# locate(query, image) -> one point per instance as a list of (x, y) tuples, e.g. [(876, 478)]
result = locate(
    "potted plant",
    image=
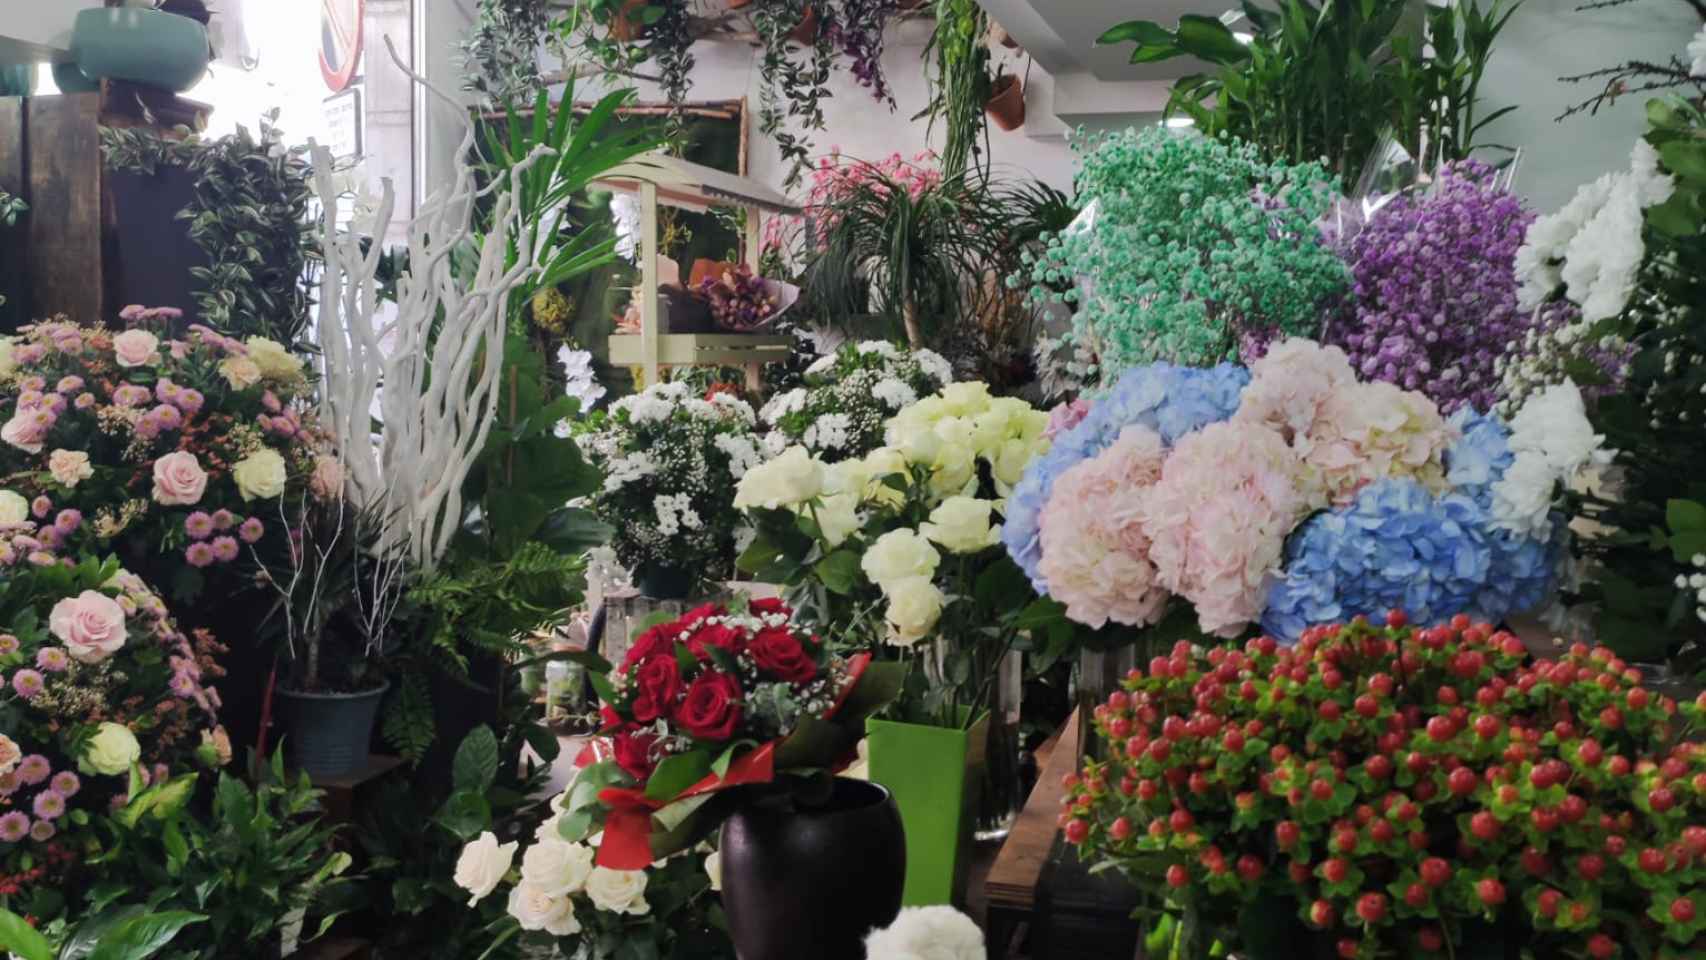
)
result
[(1006, 104), (1384, 788), (152, 47)]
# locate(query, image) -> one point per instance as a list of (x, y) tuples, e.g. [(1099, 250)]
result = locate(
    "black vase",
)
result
[(804, 881)]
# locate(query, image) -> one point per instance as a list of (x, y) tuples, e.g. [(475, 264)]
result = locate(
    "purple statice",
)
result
[(1433, 304)]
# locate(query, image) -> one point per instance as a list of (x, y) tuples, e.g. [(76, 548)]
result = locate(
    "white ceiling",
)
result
[(1061, 34)]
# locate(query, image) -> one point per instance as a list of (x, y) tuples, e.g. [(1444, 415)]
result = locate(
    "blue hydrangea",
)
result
[(1400, 547), (1480, 456), (1171, 400)]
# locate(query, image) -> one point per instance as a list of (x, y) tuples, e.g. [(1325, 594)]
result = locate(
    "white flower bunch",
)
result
[(1694, 582), (839, 413), (1553, 443), (927, 933)]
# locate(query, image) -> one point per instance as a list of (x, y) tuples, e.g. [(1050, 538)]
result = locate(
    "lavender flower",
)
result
[(14, 826)]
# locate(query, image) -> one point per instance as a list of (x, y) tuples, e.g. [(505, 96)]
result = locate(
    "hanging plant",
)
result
[(859, 36), (801, 86), (960, 84)]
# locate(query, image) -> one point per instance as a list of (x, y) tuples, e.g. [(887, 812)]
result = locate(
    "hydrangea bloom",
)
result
[(1172, 401), (1095, 554), (1479, 456), (1434, 292), (1218, 519), (1371, 431)]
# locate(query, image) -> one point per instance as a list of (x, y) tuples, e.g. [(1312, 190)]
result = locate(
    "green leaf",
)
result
[(1140, 32), (1208, 39), (141, 937), (466, 814), (476, 764), (839, 571), (677, 773), (1685, 158), (22, 939)]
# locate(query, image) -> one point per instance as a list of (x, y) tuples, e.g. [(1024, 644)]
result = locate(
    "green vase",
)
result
[(143, 46), (933, 773)]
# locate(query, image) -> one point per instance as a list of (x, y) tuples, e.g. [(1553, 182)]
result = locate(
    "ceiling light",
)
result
[(1178, 122), (1243, 38)]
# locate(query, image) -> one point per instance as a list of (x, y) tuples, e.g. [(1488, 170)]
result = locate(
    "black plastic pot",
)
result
[(813, 881), (330, 732), (666, 583)]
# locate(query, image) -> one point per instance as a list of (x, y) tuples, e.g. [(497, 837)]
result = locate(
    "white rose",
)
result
[(954, 470), (8, 364), (260, 475), (714, 869), (897, 555), (240, 372), (136, 348), (915, 604), (556, 867), (482, 865), (880, 464), (918, 442), (837, 517), (273, 360), (792, 478), (535, 909), (13, 507), (962, 525), (69, 467), (110, 752), (618, 891), (965, 399)]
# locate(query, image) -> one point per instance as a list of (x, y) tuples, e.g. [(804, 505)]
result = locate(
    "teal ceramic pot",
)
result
[(143, 46), (69, 79), (18, 81)]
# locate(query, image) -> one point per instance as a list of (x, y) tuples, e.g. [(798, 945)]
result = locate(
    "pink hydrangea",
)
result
[(1290, 386), (1218, 520), (1065, 416), (1095, 551), (1373, 431)]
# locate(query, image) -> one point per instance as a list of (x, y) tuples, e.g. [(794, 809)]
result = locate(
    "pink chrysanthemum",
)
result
[(48, 805), (53, 659), (251, 530), (225, 549), (14, 826), (27, 683), (198, 525), (66, 784), (34, 769), (199, 554)]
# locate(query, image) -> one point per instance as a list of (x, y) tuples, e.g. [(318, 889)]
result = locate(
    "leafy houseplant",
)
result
[(960, 81), (1323, 81), (1388, 790), (794, 91), (250, 217)]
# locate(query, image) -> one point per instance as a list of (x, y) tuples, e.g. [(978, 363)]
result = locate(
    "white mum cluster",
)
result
[(1695, 582), (849, 394), (1552, 442)]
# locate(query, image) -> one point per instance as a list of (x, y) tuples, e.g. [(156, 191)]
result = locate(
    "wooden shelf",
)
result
[(703, 349)]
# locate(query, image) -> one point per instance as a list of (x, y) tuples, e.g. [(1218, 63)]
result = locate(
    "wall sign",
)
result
[(342, 113), (340, 41)]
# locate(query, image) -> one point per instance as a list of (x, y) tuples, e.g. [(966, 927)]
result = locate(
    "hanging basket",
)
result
[(1006, 105)]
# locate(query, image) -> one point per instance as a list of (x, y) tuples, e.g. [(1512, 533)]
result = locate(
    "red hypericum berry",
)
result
[(1347, 948), (1181, 820), (1435, 871), (1321, 914), (1573, 809), (1418, 763), (1250, 867), (1332, 679), (1379, 766), (1545, 819), (1335, 870), (1120, 829), (1371, 907), (1298, 871), (1321, 790), (1366, 706), (1490, 891), (1382, 832), (1548, 903), (1199, 783), (1160, 750), (1429, 939), (1535, 862), (1484, 825), (1618, 766), (1178, 876), (1329, 710), (1682, 910), (1462, 782), (1345, 841), (1661, 799), (1611, 718), (1615, 845), (1286, 834), (1653, 860), (1487, 726), (1509, 794), (1077, 831), (1601, 947), (1416, 895), (1694, 838), (1638, 698), (1440, 729)]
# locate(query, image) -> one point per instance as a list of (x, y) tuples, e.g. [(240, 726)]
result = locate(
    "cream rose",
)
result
[(967, 398), (91, 625), (618, 891), (837, 517), (954, 471), (482, 865), (535, 909), (962, 525), (27, 429), (8, 363), (915, 604), (273, 360), (327, 480), (260, 475), (13, 507), (792, 478), (240, 372), (917, 442), (69, 467), (179, 479), (110, 752), (557, 867), (897, 555), (136, 348), (10, 754)]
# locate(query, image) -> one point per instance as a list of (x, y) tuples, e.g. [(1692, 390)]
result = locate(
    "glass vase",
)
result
[(996, 793)]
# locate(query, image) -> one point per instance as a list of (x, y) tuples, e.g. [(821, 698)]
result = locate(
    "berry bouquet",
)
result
[(1393, 791), (725, 696)]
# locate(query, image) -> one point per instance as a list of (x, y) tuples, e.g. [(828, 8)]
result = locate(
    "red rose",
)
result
[(691, 618), (778, 652), (612, 719), (767, 606), (712, 708), (658, 683), (649, 645), (715, 635), (634, 753)]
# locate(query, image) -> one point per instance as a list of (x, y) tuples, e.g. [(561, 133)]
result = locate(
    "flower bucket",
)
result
[(811, 881), (149, 47), (1006, 104), (933, 773), (329, 732), (665, 583)]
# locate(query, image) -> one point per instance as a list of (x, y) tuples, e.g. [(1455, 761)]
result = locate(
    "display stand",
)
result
[(659, 179)]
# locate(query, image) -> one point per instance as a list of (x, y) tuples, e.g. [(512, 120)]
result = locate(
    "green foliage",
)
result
[(960, 83), (793, 90), (1324, 81), (1196, 245), (250, 216), (500, 55)]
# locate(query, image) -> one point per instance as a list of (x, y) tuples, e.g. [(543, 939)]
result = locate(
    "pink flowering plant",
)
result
[(196, 451), (101, 697)]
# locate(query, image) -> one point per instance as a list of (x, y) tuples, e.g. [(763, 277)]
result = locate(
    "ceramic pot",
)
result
[(18, 80), (329, 732), (143, 46), (812, 881), (69, 79), (665, 583), (1006, 105), (623, 26), (805, 32)]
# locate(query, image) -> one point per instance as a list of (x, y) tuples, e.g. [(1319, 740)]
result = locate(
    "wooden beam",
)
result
[(1012, 881), (64, 226), (649, 312)]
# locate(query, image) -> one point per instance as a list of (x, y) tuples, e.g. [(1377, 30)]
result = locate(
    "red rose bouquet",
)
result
[(725, 696), (1383, 792)]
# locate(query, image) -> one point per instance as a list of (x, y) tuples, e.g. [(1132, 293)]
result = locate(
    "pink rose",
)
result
[(327, 481), (28, 428), (136, 348), (91, 625), (178, 479)]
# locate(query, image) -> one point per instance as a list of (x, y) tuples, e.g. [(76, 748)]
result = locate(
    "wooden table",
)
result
[(1011, 887)]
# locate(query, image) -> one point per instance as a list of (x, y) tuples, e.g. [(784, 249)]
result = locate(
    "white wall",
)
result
[(32, 31), (1547, 39)]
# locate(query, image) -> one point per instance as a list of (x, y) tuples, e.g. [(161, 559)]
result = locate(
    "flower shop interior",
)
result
[(844, 479)]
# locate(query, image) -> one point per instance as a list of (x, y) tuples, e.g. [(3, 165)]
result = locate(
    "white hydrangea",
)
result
[(730, 405), (742, 452), (893, 393), (628, 468), (934, 365)]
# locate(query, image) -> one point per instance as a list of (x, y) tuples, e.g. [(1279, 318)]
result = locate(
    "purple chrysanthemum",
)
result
[(14, 826), (48, 805), (66, 784)]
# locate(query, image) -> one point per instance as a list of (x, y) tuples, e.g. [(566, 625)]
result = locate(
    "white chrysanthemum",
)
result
[(927, 933), (1697, 54), (934, 366), (1554, 424), (1522, 499), (742, 452), (881, 348), (628, 468), (830, 432), (783, 404), (893, 393)]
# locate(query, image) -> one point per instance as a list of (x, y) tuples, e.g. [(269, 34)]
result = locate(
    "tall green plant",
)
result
[(1326, 81), (960, 83)]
